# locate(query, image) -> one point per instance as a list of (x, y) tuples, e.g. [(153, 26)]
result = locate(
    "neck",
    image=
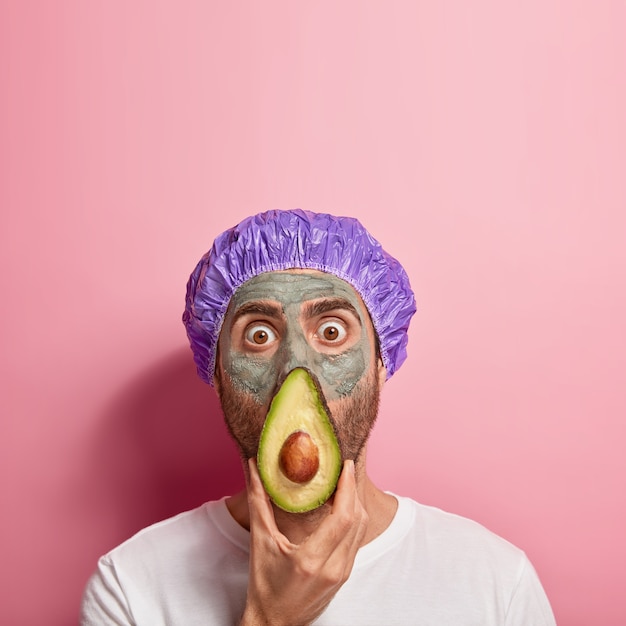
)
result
[(380, 507)]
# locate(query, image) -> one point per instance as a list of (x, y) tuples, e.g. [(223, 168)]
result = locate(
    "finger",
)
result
[(348, 504), (339, 537), (263, 527), (344, 519), (357, 506), (345, 494), (261, 513)]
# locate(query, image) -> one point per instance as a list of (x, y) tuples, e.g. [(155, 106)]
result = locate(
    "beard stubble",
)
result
[(353, 416)]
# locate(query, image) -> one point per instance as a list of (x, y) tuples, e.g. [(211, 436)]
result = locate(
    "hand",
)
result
[(291, 584)]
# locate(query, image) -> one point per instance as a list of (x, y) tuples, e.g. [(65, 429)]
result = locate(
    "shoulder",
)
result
[(451, 567), (438, 523), (174, 538), (164, 566), (460, 540), (182, 527)]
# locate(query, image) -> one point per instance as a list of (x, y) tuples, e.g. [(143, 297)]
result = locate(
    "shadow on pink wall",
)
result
[(163, 447)]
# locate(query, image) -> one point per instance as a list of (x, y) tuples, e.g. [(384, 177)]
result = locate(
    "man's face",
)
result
[(278, 321)]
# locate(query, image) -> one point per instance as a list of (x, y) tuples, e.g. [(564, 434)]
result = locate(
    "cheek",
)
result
[(254, 377), (340, 374)]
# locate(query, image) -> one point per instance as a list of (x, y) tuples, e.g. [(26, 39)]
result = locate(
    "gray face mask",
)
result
[(277, 321)]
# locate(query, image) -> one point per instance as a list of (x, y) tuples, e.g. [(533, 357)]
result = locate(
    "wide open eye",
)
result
[(331, 332), (260, 334)]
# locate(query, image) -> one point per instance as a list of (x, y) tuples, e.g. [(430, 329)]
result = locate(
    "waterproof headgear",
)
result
[(281, 240)]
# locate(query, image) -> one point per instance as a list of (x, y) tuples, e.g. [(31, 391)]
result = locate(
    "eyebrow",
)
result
[(331, 304), (258, 308)]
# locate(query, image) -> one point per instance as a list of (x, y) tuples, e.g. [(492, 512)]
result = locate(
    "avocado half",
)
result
[(299, 458)]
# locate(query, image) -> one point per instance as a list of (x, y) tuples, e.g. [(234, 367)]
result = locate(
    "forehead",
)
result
[(293, 287)]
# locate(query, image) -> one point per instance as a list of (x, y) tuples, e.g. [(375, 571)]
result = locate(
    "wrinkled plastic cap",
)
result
[(281, 240)]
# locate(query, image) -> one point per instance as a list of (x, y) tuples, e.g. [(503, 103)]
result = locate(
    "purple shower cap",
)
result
[(281, 240)]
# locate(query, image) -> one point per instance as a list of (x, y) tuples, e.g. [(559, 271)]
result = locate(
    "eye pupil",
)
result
[(260, 336), (330, 332)]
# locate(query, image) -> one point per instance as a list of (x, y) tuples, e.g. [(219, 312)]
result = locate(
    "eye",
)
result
[(260, 334), (331, 332)]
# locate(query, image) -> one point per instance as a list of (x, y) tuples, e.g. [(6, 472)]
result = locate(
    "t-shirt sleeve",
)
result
[(104, 601), (529, 604)]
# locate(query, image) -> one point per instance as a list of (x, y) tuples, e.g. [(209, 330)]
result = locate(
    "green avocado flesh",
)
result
[(299, 471)]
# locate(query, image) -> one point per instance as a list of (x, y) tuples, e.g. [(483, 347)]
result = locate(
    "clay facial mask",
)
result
[(279, 321)]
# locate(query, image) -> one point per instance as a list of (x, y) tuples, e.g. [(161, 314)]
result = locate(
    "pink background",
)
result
[(482, 142)]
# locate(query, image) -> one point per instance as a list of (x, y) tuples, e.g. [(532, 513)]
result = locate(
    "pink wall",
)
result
[(484, 144)]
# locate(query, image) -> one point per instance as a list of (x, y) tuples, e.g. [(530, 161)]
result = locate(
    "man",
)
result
[(285, 290)]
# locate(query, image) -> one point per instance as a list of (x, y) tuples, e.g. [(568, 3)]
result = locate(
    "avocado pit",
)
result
[(299, 457)]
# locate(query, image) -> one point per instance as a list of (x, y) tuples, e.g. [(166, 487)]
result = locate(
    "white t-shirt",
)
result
[(428, 568)]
